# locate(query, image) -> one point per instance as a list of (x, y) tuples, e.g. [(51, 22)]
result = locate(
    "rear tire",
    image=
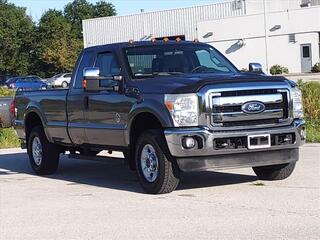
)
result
[(276, 172), (43, 155), (157, 175)]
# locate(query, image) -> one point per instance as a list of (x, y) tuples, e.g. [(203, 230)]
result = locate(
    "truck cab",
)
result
[(170, 107)]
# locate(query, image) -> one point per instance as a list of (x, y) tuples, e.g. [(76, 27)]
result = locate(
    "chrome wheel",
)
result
[(37, 151), (64, 84), (149, 163)]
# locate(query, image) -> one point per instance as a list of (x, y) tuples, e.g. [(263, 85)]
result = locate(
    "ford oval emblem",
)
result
[(253, 107)]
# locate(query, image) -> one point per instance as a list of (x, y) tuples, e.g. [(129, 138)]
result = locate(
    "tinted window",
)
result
[(11, 80), (57, 76), (306, 51), (35, 79), (208, 60), (67, 76), (176, 59), (25, 80), (85, 61), (108, 66)]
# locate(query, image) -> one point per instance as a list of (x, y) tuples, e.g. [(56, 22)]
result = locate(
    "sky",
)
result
[(36, 8)]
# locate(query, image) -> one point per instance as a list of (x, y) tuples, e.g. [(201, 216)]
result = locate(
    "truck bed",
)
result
[(52, 106)]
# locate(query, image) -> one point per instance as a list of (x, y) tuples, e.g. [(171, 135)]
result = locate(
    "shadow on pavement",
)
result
[(113, 175)]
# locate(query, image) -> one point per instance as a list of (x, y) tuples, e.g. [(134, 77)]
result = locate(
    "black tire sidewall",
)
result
[(50, 153), (150, 187), (34, 134)]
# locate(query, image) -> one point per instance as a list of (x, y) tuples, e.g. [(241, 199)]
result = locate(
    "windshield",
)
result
[(149, 61), (57, 76)]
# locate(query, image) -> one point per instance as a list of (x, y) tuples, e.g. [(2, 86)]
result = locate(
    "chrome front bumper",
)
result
[(208, 157)]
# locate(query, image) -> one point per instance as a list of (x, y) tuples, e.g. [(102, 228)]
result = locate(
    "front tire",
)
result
[(276, 172), (65, 84), (157, 175), (43, 155)]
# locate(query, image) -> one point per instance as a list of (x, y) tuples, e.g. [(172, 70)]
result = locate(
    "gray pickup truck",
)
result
[(6, 112), (170, 107)]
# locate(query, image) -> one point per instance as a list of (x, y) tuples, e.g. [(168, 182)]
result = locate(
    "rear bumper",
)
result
[(207, 156)]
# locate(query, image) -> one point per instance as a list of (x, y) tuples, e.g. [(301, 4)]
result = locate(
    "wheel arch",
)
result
[(33, 118), (143, 119)]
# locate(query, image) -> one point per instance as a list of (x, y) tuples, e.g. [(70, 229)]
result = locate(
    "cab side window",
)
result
[(108, 65), (85, 61)]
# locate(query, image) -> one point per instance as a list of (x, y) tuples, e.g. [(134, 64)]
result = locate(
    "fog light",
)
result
[(188, 142)]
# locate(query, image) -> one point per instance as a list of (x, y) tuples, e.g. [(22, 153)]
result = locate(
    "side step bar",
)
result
[(105, 159)]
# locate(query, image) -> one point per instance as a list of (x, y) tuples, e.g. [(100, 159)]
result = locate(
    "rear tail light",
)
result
[(12, 109)]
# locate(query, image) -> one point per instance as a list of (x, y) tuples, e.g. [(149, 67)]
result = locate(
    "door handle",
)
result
[(86, 102)]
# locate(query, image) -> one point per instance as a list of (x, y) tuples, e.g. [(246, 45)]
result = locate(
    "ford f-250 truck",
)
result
[(170, 107)]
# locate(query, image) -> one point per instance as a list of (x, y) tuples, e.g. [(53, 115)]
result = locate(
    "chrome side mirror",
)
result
[(92, 80), (255, 68), (91, 73)]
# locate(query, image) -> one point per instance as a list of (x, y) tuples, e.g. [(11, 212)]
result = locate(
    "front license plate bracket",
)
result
[(259, 141)]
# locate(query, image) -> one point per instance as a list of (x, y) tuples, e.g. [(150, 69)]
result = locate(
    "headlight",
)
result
[(183, 108), (297, 103)]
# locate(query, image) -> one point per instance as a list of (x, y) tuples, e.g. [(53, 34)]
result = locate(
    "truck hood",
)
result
[(190, 83)]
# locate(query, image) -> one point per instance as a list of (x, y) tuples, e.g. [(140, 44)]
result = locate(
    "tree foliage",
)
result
[(79, 10), (49, 47), (56, 49), (16, 39)]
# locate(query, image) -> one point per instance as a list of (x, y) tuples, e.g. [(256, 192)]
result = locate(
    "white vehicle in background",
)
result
[(60, 80)]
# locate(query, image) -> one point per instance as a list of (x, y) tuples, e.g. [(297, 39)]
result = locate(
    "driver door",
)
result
[(105, 109)]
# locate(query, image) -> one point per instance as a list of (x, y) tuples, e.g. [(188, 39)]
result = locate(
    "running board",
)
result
[(96, 158)]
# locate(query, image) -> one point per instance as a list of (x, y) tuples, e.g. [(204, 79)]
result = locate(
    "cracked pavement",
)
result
[(94, 200)]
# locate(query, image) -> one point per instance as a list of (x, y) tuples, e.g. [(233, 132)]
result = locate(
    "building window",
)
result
[(306, 51), (309, 3), (236, 5), (292, 38)]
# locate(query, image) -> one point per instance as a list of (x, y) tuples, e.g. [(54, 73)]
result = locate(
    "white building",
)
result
[(284, 32)]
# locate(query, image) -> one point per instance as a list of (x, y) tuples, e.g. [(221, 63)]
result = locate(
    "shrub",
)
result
[(311, 96), (316, 68), (5, 92), (8, 138), (277, 69)]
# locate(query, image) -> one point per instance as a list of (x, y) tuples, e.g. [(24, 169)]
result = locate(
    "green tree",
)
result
[(104, 9), (79, 10), (75, 12), (57, 49), (16, 39)]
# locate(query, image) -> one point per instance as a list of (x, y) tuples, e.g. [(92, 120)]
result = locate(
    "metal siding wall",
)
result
[(160, 24)]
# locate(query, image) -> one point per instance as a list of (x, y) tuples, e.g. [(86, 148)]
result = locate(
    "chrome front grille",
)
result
[(226, 108)]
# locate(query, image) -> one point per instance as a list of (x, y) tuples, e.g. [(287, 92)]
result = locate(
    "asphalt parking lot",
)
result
[(93, 200)]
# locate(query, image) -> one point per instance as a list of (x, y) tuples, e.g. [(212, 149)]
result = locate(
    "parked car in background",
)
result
[(6, 112), (26, 83), (4, 78), (60, 80)]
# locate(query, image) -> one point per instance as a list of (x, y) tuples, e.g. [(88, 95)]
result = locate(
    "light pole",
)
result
[(266, 32)]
